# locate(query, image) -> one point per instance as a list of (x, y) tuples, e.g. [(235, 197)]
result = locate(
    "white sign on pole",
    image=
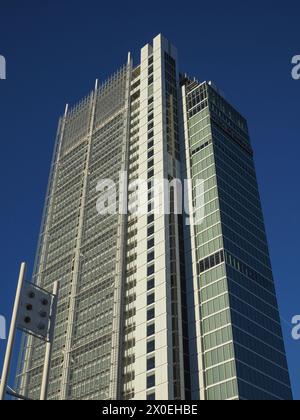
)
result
[(34, 315)]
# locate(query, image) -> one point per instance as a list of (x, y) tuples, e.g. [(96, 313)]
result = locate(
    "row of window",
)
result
[(210, 262), (201, 147), (150, 363)]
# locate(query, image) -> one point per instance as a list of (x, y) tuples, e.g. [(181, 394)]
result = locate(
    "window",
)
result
[(150, 144), (150, 70), (151, 173), (150, 61), (150, 206), (150, 284), (150, 314), (150, 270), (150, 126), (150, 90), (150, 346), (150, 80), (150, 230), (150, 218), (150, 257), (150, 100), (150, 154), (150, 135), (150, 117), (151, 396), (150, 299), (135, 85), (151, 363), (150, 330), (150, 381), (150, 163), (150, 243)]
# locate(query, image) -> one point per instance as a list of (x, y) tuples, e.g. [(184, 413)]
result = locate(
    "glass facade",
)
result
[(82, 249), (243, 349)]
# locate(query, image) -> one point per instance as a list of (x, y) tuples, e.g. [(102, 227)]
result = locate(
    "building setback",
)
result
[(152, 307)]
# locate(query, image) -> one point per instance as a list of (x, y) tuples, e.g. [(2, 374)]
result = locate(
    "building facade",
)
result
[(150, 306)]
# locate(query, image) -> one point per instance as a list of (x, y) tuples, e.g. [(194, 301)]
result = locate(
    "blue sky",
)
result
[(55, 51)]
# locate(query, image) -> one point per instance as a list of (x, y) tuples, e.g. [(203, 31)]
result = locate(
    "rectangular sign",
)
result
[(34, 314)]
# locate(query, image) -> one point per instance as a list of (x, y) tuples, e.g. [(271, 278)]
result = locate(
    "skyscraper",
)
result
[(152, 306)]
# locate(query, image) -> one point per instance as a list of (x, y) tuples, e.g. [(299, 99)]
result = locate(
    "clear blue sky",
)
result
[(56, 49)]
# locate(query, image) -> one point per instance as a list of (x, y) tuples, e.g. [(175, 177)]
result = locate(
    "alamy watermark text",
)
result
[(296, 68), (296, 329), (2, 328), (157, 196), (2, 67)]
